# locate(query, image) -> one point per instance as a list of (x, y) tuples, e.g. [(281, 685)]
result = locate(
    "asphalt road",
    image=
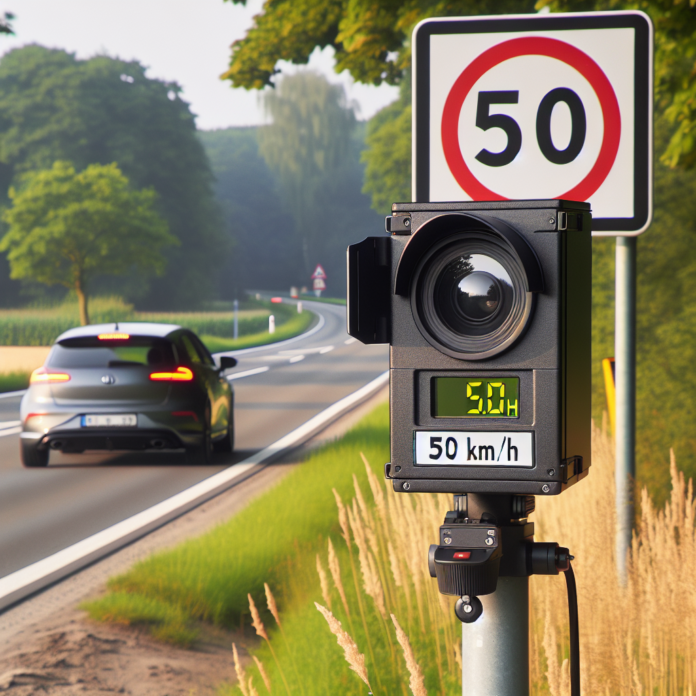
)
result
[(277, 388)]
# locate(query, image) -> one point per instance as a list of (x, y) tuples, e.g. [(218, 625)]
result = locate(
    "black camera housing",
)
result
[(530, 328)]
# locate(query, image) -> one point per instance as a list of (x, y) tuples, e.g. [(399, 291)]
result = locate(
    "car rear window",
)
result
[(92, 352)]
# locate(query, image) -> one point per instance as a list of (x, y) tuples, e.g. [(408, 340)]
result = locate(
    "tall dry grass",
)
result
[(387, 538), (638, 639), (635, 640)]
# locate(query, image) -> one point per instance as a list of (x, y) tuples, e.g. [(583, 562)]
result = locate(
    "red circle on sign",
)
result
[(532, 46)]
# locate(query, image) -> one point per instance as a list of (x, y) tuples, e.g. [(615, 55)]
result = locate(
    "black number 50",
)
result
[(486, 120)]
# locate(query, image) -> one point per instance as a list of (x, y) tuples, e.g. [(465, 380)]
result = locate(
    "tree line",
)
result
[(135, 201)]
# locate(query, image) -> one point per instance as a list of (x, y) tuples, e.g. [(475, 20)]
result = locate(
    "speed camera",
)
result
[(486, 308)]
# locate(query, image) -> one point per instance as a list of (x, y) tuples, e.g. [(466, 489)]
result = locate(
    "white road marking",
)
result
[(9, 395), (306, 351), (264, 358), (270, 346), (297, 358), (10, 431), (248, 373), (36, 576), (350, 340), (9, 424)]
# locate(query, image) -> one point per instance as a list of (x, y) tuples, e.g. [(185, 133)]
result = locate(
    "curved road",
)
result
[(277, 388)]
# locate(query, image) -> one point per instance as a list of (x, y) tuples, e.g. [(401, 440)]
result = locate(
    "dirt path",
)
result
[(49, 646)]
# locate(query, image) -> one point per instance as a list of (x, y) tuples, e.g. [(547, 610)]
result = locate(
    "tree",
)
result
[(102, 110), (371, 39), (249, 195), (387, 156), (307, 145), (68, 228)]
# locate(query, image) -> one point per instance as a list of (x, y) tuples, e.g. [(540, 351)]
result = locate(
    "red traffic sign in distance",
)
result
[(537, 107), (319, 272)]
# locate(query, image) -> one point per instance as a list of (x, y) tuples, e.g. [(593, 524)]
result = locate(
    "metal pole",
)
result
[(495, 649), (625, 375), (236, 319)]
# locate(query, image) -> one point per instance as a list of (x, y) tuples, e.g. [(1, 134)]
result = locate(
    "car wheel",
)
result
[(203, 453), (227, 442), (31, 455)]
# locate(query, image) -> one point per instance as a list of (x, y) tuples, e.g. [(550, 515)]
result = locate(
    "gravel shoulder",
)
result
[(49, 646)]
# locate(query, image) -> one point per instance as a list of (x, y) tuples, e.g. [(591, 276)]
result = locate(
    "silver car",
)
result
[(128, 386)]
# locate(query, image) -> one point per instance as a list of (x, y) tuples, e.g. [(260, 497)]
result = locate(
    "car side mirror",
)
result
[(227, 362)]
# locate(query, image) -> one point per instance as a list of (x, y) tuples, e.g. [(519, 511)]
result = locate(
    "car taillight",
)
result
[(182, 374), (113, 337), (34, 415), (185, 414), (44, 375)]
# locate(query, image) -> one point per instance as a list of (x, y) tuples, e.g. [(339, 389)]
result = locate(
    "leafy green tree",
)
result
[(69, 228), (306, 145), (371, 39), (102, 110), (249, 195), (387, 156)]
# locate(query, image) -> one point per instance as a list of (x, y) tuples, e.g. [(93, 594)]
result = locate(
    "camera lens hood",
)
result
[(472, 291)]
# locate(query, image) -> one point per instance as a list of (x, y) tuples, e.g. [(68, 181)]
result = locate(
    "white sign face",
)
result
[(319, 272), (456, 448), (537, 107)]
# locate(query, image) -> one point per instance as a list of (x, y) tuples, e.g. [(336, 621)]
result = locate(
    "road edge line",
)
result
[(306, 334), (39, 575)]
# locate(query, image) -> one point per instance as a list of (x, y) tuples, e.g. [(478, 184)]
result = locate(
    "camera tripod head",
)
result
[(475, 551)]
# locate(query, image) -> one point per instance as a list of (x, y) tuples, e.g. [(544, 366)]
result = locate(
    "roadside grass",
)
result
[(293, 326), (376, 566), (328, 300), (165, 622), (14, 381), (208, 578), (629, 644)]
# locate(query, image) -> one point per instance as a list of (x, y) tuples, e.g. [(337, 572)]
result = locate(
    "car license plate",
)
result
[(474, 449), (110, 420)]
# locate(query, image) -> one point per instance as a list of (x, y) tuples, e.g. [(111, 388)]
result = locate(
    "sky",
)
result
[(184, 41)]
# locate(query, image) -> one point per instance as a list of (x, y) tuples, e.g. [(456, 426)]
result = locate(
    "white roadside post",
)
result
[(271, 324), (532, 107)]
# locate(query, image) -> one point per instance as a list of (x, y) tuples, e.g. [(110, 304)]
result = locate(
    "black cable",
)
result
[(574, 632)]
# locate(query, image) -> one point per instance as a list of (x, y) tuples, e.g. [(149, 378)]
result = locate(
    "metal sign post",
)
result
[(536, 107), (625, 365)]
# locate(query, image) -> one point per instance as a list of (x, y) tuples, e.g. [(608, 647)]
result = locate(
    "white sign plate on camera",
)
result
[(457, 448), (537, 107)]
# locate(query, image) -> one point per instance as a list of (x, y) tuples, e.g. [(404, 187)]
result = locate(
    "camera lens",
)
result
[(478, 296), (469, 295)]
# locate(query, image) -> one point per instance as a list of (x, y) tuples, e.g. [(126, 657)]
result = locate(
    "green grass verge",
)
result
[(293, 326), (327, 300), (208, 578), (14, 381), (165, 622)]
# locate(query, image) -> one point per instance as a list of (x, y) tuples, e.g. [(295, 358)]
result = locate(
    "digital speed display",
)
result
[(475, 397)]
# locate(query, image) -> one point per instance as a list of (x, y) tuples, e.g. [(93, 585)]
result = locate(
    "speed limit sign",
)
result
[(537, 107)]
